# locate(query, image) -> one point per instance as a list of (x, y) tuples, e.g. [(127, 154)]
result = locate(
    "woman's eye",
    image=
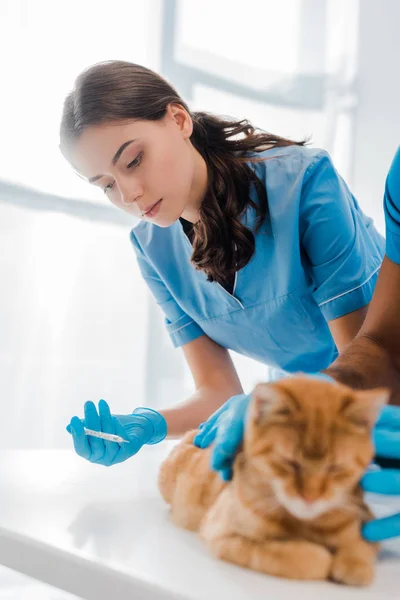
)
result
[(136, 161), (108, 187)]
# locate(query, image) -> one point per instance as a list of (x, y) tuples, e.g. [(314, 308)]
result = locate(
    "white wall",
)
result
[(377, 132)]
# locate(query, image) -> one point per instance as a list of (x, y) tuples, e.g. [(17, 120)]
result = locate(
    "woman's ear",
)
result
[(181, 118)]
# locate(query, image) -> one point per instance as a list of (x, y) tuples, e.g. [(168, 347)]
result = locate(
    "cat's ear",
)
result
[(363, 410), (267, 398)]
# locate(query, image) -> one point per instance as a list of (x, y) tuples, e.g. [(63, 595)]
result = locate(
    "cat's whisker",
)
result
[(272, 509), (269, 506), (349, 509), (358, 510)]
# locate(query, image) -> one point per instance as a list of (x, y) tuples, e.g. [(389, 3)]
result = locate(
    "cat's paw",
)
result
[(313, 562), (351, 570)]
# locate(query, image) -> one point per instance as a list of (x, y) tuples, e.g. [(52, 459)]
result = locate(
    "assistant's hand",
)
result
[(225, 427), (143, 426), (385, 481)]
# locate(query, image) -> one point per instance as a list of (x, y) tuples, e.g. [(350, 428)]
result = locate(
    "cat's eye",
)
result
[(293, 465), (283, 411), (336, 469)]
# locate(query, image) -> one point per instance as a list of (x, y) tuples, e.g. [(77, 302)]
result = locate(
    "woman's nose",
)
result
[(129, 199), (130, 190)]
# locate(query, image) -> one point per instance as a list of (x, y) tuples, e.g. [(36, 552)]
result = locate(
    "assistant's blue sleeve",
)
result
[(342, 248), (391, 205), (181, 328)]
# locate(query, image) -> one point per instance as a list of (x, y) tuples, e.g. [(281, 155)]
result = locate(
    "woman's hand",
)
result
[(143, 426), (225, 427)]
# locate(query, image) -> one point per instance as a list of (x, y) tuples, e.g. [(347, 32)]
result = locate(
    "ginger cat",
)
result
[(294, 507)]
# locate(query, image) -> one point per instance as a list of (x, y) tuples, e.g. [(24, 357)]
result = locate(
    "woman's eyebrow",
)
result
[(114, 160)]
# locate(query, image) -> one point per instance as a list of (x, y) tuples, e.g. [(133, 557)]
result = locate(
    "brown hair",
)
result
[(119, 91)]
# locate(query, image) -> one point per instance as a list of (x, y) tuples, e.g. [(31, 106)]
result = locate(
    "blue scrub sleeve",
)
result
[(181, 328), (343, 250), (391, 203)]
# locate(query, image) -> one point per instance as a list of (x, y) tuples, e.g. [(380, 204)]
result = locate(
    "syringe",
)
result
[(110, 437)]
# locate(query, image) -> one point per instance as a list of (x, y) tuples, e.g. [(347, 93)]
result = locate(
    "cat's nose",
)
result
[(309, 498)]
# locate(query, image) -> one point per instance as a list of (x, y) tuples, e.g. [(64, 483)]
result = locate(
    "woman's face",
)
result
[(150, 169)]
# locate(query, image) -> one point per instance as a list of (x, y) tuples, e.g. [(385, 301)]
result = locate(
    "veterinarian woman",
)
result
[(248, 241)]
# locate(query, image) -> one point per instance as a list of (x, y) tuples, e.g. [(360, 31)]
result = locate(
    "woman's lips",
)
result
[(153, 210)]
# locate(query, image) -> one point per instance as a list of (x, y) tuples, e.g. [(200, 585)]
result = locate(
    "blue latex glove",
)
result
[(226, 427), (386, 481), (143, 426)]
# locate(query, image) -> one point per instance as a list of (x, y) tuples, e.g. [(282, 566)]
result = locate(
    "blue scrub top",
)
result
[(317, 258), (391, 203)]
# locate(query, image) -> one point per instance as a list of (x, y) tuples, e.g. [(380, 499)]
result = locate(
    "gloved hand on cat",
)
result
[(225, 427), (385, 481), (143, 426)]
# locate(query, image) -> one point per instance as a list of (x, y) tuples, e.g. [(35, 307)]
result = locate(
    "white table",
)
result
[(104, 533)]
